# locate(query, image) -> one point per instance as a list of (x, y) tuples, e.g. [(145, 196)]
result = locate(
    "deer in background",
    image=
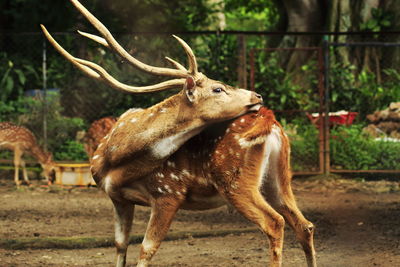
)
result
[(20, 140), (98, 129), (143, 140)]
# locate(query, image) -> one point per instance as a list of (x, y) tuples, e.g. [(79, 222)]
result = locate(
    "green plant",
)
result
[(350, 89), (72, 151), (282, 90), (304, 145), (379, 20), (12, 80), (352, 149)]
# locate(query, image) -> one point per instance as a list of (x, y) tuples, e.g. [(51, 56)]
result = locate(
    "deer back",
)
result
[(212, 162), (13, 136)]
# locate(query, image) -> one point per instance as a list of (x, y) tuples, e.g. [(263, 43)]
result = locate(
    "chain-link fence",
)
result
[(356, 73)]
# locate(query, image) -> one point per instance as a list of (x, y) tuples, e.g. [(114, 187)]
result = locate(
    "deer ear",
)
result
[(190, 88)]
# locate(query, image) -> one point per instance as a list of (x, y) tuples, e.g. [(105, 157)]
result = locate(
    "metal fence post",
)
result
[(44, 67), (327, 161), (242, 61)]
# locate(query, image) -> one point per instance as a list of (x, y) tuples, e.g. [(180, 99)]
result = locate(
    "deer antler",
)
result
[(97, 72)]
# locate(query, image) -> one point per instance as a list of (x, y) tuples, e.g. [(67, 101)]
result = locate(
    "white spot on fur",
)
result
[(108, 184), (100, 145), (249, 143), (166, 146), (119, 234), (95, 157), (242, 120), (151, 114), (147, 244), (133, 120), (227, 130), (160, 190), (121, 124), (168, 188), (272, 148), (170, 164), (163, 110), (233, 124), (174, 177), (185, 172)]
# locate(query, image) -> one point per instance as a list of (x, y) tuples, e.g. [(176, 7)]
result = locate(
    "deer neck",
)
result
[(180, 124), (40, 155), (153, 133)]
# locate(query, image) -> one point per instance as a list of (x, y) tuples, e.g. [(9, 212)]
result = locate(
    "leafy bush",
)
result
[(350, 90), (283, 90), (71, 150), (61, 130), (351, 149), (304, 145)]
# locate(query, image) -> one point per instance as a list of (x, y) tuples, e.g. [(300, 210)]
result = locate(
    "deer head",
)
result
[(210, 100), (48, 167)]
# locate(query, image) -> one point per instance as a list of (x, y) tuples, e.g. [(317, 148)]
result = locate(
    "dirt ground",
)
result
[(358, 224)]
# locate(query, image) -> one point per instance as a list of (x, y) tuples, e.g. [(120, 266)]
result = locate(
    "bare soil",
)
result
[(358, 224)]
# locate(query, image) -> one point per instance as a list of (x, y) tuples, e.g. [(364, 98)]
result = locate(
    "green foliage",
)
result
[(60, 129), (304, 145), (380, 20), (71, 151), (13, 78), (13, 109), (282, 90), (353, 150), (351, 90), (252, 15)]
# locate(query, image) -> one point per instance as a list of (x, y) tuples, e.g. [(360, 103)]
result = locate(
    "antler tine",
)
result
[(68, 56), (94, 38), (176, 64), (104, 43), (128, 88), (97, 72), (119, 49), (191, 57)]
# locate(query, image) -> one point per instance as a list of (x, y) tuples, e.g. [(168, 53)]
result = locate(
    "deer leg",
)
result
[(24, 172), (162, 213), (251, 204), (17, 162), (279, 194), (123, 212)]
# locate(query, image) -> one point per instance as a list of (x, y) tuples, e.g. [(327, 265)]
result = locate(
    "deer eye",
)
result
[(217, 90)]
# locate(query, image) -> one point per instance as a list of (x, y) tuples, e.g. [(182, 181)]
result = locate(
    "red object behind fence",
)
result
[(335, 118)]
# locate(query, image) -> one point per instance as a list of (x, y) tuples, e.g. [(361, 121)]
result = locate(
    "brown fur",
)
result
[(213, 168), (20, 140), (98, 129)]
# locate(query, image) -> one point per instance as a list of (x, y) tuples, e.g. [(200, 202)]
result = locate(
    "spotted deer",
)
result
[(20, 140), (143, 140), (243, 162), (98, 129)]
